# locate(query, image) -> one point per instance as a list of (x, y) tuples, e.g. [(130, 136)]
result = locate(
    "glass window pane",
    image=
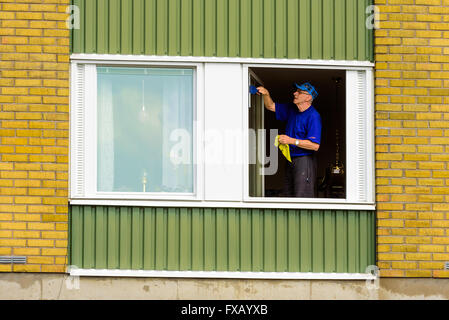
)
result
[(145, 130)]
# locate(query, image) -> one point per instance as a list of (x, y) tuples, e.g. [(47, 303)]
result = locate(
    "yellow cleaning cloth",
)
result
[(285, 149)]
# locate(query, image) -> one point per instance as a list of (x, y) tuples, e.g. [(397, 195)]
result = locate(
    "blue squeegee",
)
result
[(253, 89)]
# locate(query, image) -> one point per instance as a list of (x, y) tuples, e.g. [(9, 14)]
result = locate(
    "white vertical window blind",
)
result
[(358, 136), (78, 130)]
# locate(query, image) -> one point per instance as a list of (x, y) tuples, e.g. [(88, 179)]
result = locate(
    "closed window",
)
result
[(133, 131), (141, 112)]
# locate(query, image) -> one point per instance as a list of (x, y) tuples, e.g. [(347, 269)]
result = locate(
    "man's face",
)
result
[(300, 96)]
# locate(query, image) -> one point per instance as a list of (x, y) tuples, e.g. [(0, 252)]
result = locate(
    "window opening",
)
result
[(330, 104)]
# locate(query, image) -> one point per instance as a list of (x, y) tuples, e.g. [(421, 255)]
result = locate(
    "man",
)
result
[(303, 135)]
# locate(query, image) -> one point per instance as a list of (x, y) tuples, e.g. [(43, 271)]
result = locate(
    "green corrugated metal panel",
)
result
[(221, 239), (294, 29)]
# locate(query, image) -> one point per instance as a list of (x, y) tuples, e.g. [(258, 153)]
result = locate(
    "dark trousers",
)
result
[(300, 177)]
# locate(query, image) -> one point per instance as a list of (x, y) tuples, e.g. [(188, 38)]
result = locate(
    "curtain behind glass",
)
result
[(140, 112), (105, 136)]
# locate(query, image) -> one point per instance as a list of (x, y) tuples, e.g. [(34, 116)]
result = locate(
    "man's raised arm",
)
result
[(268, 102)]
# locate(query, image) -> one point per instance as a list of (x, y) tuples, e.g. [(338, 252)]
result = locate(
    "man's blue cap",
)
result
[(309, 88)]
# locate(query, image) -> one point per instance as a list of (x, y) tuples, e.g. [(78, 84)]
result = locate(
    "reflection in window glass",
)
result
[(145, 130)]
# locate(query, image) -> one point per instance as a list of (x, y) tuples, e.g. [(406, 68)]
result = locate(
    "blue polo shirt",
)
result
[(300, 125)]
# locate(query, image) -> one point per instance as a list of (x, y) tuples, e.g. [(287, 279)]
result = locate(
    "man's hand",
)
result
[(283, 139), (262, 91)]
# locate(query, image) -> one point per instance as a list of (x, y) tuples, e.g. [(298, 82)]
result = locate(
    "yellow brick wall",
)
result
[(412, 137), (34, 89)]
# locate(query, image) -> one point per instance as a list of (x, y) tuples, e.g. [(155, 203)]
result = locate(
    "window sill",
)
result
[(310, 204)]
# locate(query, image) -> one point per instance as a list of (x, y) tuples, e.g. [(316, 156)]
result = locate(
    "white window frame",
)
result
[(83, 134), (360, 124)]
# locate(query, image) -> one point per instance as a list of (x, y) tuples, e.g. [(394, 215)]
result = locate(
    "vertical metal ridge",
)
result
[(241, 242), (192, 31), (69, 239), (106, 230), (298, 47), (203, 44), (83, 240), (131, 26), (347, 252), (191, 234), (299, 240), (166, 212), (143, 234), (346, 52), (312, 234), (83, 29), (233, 242), (361, 28), (138, 26), (157, 28), (357, 30), (287, 215), (228, 23), (93, 234), (90, 28)]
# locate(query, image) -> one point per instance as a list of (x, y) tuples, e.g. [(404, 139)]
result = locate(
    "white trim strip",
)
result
[(224, 204), (98, 58), (220, 275)]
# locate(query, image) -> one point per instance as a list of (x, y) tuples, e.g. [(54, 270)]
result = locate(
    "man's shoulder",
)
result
[(314, 112), (287, 105)]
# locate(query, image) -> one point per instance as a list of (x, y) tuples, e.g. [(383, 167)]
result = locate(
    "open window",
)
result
[(342, 160)]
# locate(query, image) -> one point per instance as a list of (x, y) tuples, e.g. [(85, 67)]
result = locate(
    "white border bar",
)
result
[(334, 64), (220, 275), (224, 204)]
